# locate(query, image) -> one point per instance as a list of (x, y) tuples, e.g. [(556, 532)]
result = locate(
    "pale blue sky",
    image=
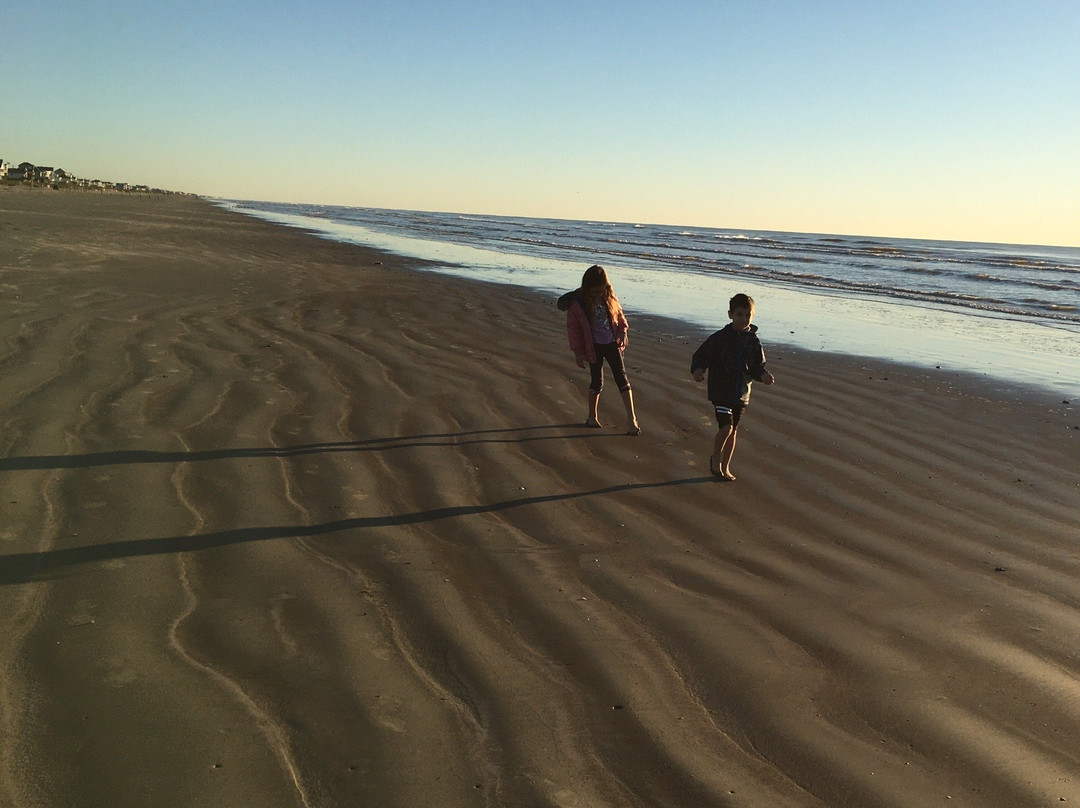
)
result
[(955, 120)]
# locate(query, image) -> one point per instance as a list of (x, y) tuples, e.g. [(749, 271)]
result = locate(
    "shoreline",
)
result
[(289, 522), (1037, 354)]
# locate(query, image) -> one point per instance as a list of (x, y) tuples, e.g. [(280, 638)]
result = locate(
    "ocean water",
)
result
[(1008, 312)]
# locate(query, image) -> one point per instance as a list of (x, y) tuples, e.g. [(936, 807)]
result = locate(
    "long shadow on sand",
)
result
[(132, 456), (19, 568)]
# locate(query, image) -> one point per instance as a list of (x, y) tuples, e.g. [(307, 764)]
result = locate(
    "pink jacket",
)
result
[(579, 331)]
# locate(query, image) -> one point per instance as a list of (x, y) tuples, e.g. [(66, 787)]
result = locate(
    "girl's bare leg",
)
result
[(632, 427), (594, 403)]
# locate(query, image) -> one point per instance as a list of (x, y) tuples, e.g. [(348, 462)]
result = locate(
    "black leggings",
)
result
[(609, 351)]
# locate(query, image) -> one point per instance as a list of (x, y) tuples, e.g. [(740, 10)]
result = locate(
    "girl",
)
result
[(597, 328)]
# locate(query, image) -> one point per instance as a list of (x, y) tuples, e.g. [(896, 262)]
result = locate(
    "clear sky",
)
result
[(957, 119)]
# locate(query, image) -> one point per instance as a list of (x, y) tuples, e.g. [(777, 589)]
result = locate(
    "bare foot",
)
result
[(713, 470), (592, 422), (634, 429), (727, 475)]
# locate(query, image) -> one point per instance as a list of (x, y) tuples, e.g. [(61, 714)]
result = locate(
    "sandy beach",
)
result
[(287, 522)]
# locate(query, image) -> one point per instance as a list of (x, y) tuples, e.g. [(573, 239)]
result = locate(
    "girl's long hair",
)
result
[(595, 278)]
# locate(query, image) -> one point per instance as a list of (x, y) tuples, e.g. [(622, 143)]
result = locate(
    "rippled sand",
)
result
[(285, 522)]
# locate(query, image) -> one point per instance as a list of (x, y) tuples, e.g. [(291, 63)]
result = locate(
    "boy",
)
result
[(734, 358)]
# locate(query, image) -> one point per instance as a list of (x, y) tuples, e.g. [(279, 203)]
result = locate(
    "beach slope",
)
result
[(285, 522)]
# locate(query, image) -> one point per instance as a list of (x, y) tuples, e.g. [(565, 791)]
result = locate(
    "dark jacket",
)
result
[(734, 359)]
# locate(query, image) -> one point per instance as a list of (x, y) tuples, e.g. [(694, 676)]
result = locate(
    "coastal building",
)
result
[(57, 178), (19, 173)]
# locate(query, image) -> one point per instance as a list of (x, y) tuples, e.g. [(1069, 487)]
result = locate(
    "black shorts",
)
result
[(729, 416)]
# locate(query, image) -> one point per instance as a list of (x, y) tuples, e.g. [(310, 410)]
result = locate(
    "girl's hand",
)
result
[(580, 361), (768, 378)]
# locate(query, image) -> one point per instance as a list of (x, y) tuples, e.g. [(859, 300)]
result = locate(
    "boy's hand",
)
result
[(699, 375), (767, 378), (580, 361)]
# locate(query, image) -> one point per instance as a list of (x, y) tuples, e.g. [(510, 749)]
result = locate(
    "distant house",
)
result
[(24, 171), (3, 167)]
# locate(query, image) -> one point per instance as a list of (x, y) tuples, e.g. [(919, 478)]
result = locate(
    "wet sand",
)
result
[(285, 522)]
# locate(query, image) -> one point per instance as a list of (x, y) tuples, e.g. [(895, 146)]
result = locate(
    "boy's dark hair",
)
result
[(741, 301)]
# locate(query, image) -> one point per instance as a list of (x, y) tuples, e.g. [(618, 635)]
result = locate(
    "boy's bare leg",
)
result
[(594, 403), (723, 449), (726, 452), (632, 427)]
